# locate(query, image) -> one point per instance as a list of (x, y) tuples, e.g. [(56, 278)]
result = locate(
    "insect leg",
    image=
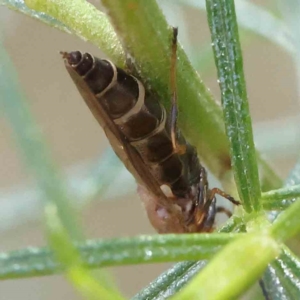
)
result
[(215, 191), (221, 209)]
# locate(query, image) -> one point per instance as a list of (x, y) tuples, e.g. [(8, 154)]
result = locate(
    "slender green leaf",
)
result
[(275, 205), (282, 278), (277, 198), (21, 7), (283, 198), (171, 281), (86, 22), (292, 262), (115, 252), (253, 252), (271, 285), (288, 267), (229, 62)]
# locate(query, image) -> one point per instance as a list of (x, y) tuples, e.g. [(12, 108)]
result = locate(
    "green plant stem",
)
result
[(86, 22), (229, 62), (115, 252), (225, 269)]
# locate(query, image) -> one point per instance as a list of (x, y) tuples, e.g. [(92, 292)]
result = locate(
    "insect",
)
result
[(171, 181)]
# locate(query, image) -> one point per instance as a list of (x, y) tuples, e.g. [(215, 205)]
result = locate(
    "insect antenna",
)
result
[(174, 105)]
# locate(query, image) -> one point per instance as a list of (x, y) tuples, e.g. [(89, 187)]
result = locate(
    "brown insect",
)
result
[(171, 181)]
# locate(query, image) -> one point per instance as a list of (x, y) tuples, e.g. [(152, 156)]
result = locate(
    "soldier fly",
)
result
[(171, 181)]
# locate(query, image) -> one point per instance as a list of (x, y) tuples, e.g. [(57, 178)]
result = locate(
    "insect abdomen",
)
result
[(142, 120)]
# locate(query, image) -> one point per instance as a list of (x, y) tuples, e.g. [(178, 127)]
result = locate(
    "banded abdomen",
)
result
[(142, 121), (172, 184)]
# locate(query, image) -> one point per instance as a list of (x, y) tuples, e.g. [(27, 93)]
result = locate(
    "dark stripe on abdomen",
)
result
[(141, 119)]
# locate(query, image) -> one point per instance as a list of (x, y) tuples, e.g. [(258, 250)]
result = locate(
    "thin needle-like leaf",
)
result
[(282, 278), (115, 252), (276, 199), (271, 285), (171, 281), (229, 62)]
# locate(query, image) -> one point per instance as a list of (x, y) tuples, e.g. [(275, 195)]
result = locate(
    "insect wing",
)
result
[(122, 148)]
